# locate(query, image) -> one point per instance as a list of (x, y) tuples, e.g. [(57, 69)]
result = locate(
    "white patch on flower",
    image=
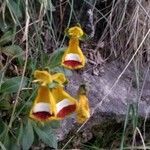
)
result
[(64, 103), (39, 107), (73, 57)]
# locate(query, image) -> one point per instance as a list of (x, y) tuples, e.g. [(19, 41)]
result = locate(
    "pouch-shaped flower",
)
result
[(83, 110), (65, 104), (73, 57), (44, 106)]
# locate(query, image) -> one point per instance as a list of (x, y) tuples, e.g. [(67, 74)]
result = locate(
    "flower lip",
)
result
[(72, 56), (72, 63), (42, 111), (41, 107), (64, 103), (72, 60), (65, 107)]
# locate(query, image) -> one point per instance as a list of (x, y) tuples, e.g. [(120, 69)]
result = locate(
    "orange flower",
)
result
[(73, 57), (83, 110), (44, 107), (51, 104), (65, 104)]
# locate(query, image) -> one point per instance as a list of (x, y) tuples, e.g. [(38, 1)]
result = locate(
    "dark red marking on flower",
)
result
[(42, 115), (72, 63), (66, 111)]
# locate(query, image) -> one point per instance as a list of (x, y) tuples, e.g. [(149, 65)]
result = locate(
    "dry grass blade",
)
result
[(25, 37), (134, 135)]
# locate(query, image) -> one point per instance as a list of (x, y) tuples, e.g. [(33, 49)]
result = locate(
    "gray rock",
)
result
[(103, 102)]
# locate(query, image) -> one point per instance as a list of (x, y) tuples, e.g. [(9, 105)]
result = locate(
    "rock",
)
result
[(106, 104), (93, 25)]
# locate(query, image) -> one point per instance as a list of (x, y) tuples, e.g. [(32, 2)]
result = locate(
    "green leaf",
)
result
[(46, 135), (15, 7), (1, 75), (7, 141), (13, 50), (7, 37), (2, 128), (2, 146), (47, 5), (52, 85), (20, 134), (55, 59), (4, 25), (13, 145), (28, 136), (53, 124), (12, 85), (4, 105), (63, 70)]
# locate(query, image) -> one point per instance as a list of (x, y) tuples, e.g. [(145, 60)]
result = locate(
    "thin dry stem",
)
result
[(142, 139), (25, 37)]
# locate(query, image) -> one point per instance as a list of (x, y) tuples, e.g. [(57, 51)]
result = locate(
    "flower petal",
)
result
[(75, 32), (43, 77), (73, 60), (83, 110), (41, 107), (65, 104), (44, 106), (64, 108), (73, 64), (42, 111), (59, 77), (73, 57)]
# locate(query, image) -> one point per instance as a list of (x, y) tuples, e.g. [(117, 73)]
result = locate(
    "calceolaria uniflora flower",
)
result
[(65, 104), (73, 57), (83, 110), (51, 103), (44, 107)]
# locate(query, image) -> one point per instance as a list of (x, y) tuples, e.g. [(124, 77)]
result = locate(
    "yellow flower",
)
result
[(44, 107), (65, 104), (45, 78), (73, 57), (83, 110), (59, 78), (75, 32)]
